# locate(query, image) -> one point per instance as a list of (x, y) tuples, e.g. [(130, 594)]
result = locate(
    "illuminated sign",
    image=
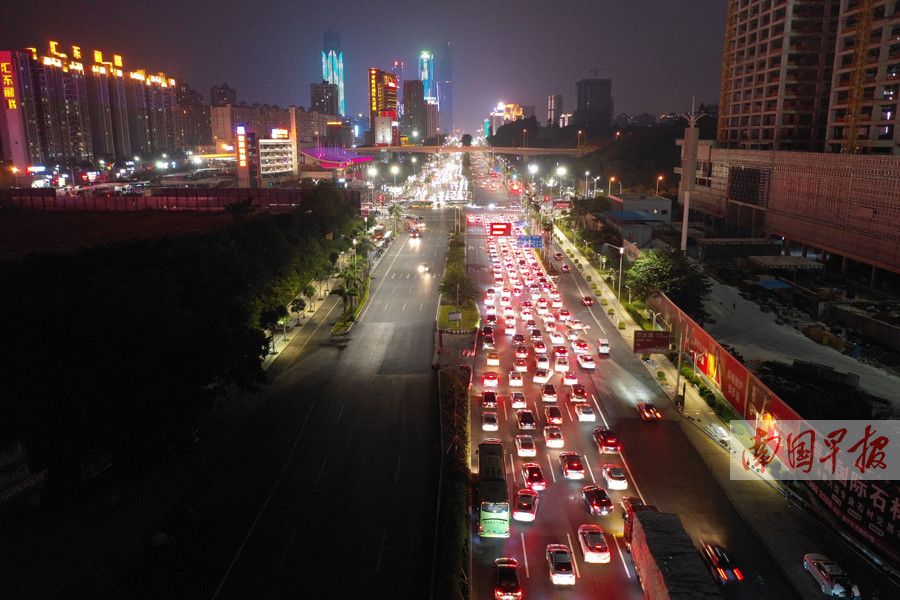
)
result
[(279, 134), (7, 77), (241, 145), (373, 89), (500, 229)]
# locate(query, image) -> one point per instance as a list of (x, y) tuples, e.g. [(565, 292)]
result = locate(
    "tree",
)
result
[(456, 282), (346, 294), (466, 139), (395, 212), (298, 306), (667, 271), (308, 292)]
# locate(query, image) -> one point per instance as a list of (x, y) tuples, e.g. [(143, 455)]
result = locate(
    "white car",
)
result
[(586, 361), (515, 379), (556, 338), (493, 358), (525, 447), (576, 324), (561, 365), (489, 421), (521, 365), (556, 303), (517, 400), (510, 324), (549, 320), (615, 477), (602, 346), (509, 312), (553, 437), (569, 378), (541, 376), (593, 543), (489, 300), (543, 310), (559, 561), (525, 507), (542, 361), (504, 300), (585, 413)]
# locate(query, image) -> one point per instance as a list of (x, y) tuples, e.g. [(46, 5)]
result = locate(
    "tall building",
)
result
[(20, 144), (594, 106), (382, 95), (865, 84), (431, 120), (444, 74), (426, 75), (333, 65), (414, 125), (138, 117), (192, 119), (506, 113), (527, 111), (777, 67), (222, 95), (398, 66), (108, 107), (554, 109), (323, 98)]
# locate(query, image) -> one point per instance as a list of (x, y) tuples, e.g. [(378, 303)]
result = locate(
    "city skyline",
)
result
[(262, 56)]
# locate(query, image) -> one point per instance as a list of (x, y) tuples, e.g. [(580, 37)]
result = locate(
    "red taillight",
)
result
[(738, 574)]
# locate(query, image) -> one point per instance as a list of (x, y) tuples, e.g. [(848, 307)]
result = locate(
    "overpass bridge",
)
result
[(579, 151)]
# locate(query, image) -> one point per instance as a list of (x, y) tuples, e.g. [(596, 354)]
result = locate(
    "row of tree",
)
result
[(111, 349)]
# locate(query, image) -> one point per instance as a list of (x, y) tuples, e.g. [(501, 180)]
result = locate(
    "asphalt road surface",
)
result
[(330, 489), (662, 466)]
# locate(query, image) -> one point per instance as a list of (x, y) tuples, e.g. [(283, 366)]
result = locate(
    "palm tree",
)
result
[(346, 294), (395, 212)]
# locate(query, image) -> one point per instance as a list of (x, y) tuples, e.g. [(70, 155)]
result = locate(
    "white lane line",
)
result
[(505, 416), (590, 470), (397, 472), (512, 468), (381, 551), (403, 307), (633, 480), (386, 304), (594, 398), (421, 304), (321, 470), (525, 555), (622, 557), (407, 275), (552, 471), (393, 275), (286, 549), (572, 550), (378, 287), (263, 508), (569, 410)]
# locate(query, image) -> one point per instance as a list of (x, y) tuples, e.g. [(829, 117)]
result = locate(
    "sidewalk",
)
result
[(785, 530)]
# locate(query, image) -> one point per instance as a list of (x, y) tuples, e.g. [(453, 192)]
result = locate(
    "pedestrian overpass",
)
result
[(578, 151)]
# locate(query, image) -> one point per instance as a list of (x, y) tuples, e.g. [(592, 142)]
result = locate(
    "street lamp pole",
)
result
[(658, 179), (621, 255), (586, 175)]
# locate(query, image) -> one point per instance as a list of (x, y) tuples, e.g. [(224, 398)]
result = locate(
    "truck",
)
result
[(666, 561)]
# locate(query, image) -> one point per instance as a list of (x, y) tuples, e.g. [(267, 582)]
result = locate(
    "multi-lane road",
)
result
[(330, 489), (661, 464)]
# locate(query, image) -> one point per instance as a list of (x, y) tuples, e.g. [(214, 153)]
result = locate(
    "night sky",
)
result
[(657, 52)]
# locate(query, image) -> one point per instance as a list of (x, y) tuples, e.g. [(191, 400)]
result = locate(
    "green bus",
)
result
[(493, 498)]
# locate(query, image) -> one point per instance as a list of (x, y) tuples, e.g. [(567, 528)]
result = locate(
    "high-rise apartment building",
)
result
[(426, 75), (865, 84), (554, 109), (333, 65), (432, 128), (222, 95), (444, 75), (323, 98), (527, 111), (20, 144), (398, 67), (192, 119), (776, 74), (382, 95), (414, 110), (594, 106)]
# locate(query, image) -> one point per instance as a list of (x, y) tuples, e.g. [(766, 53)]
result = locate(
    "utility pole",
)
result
[(689, 169)]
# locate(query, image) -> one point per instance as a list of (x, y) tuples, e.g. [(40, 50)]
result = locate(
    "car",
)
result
[(561, 364), (629, 504), (517, 400), (548, 393), (577, 325), (487, 342), (534, 477), (542, 361), (606, 441), (525, 505), (586, 361), (559, 561), (490, 379), (541, 376), (525, 447), (556, 303), (565, 268), (554, 415), (603, 347), (558, 256), (530, 324), (510, 324), (518, 339), (563, 315), (548, 320), (506, 579), (553, 437), (579, 393), (515, 379), (521, 351), (489, 421), (648, 411), (539, 348), (560, 351), (580, 346), (832, 579), (542, 309), (536, 335), (493, 358), (587, 301), (521, 365), (487, 330), (585, 413), (570, 378), (526, 419), (423, 268), (488, 399), (505, 301), (556, 337), (593, 543), (490, 311), (572, 467), (615, 477), (721, 564), (596, 500)]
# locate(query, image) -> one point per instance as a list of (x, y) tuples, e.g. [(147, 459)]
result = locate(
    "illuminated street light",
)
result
[(394, 170), (658, 179), (372, 172), (586, 175)]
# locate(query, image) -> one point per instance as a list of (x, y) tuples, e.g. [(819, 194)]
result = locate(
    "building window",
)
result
[(888, 112), (890, 92), (886, 132)]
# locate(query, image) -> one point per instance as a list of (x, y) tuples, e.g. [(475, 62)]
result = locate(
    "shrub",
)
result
[(604, 301), (661, 375), (621, 325), (587, 278), (611, 312)]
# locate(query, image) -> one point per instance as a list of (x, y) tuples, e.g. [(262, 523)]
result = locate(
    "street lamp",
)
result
[(594, 189), (560, 172), (394, 170), (586, 175), (658, 179), (15, 172), (578, 138), (524, 138), (614, 180)]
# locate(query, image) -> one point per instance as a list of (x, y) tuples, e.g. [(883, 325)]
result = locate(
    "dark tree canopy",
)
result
[(667, 271)]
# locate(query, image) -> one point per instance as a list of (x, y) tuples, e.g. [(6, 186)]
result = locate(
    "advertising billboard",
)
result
[(651, 342), (499, 229)]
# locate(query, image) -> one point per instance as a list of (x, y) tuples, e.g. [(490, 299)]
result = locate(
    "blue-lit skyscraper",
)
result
[(333, 65), (426, 74)]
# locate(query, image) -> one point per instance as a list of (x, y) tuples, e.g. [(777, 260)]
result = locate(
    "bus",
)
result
[(493, 499)]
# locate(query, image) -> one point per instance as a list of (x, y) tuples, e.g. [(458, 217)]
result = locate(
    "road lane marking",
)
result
[(525, 555), (590, 470), (594, 398), (552, 471), (403, 307), (633, 480), (381, 551), (386, 304), (263, 508), (569, 410), (321, 470), (622, 557), (397, 472), (421, 304), (572, 550), (512, 467), (286, 549), (505, 416)]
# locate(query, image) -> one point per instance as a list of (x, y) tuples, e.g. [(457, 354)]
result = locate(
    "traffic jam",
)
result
[(567, 484)]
